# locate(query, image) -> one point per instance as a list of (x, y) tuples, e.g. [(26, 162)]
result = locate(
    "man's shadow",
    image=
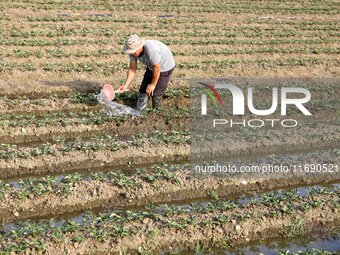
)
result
[(77, 86)]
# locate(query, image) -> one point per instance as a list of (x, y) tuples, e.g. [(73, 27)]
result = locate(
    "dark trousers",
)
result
[(162, 83)]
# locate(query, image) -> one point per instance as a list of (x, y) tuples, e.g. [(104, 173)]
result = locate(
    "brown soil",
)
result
[(251, 22), (253, 229), (100, 194), (267, 141), (32, 134), (132, 126), (149, 153), (260, 226), (44, 107), (48, 84)]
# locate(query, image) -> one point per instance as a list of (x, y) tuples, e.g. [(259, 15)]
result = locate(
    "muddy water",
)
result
[(329, 242), (60, 140), (248, 198), (86, 172), (85, 218), (321, 156)]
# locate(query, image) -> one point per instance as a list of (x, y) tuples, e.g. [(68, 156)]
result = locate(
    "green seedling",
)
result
[(122, 180), (72, 178), (4, 187), (212, 193)]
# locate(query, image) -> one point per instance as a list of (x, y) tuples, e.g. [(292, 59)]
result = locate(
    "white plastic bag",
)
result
[(114, 109)]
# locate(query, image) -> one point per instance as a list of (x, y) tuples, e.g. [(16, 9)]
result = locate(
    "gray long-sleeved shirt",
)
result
[(156, 52)]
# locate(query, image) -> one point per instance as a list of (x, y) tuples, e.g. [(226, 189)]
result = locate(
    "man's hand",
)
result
[(149, 89), (155, 77), (122, 88)]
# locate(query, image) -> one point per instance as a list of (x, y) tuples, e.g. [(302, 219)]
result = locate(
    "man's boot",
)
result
[(157, 102), (142, 101)]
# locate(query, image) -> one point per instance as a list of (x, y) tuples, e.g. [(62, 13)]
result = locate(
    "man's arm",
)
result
[(155, 74), (155, 77), (130, 75)]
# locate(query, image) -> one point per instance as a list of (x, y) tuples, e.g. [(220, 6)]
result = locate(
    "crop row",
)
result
[(96, 118), (264, 63), (322, 100), (250, 42), (216, 135), (178, 4), (243, 32), (116, 225), (221, 144), (319, 87), (43, 129), (141, 176), (8, 151), (235, 8), (173, 20), (146, 23), (60, 53), (78, 28), (214, 4), (198, 26), (270, 199), (312, 251), (56, 42), (86, 118), (107, 32), (21, 99), (62, 119), (320, 103), (61, 42), (27, 198), (108, 68), (89, 98), (26, 188), (42, 106), (105, 18), (293, 22)]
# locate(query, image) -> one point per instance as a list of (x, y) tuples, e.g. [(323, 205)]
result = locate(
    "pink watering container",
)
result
[(109, 91)]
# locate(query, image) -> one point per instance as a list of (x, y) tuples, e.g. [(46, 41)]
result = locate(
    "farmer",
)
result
[(159, 66)]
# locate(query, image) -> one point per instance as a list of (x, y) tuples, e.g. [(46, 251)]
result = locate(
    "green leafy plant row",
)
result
[(60, 54), (65, 185), (86, 118), (61, 147), (230, 8), (114, 224)]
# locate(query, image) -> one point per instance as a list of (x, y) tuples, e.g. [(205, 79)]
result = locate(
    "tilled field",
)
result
[(60, 46), (76, 181), (167, 228), (64, 164), (55, 195)]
